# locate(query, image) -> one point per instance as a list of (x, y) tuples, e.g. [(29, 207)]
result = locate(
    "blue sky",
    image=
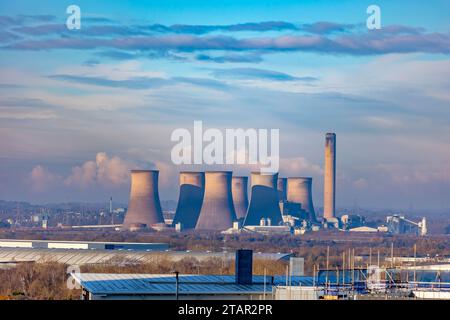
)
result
[(79, 108)]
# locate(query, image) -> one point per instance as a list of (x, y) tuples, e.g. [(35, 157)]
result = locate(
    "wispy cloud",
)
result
[(254, 73)]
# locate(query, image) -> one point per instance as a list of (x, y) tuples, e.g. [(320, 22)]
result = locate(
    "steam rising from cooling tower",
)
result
[(300, 191), (330, 177), (217, 212), (264, 200), (282, 187), (239, 187), (192, 187), (144, 207)]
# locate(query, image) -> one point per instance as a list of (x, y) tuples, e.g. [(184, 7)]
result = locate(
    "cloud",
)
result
[(233, 58), (104, 171), (325, 27), (299, 166), (132, 83), (42, 179), (20, 19), (253, 73), (359, 44), (408, 175), (361, 183)]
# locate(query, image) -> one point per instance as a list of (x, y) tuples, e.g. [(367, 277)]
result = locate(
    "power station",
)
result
[(192, 188), (144, 208), (217, 212), (215, 200)]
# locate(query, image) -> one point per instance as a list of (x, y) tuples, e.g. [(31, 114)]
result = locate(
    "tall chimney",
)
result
[(239, 187), (300, 191), (192, 188), (264, 200), (217, 212), (330, 177), (144, 206)]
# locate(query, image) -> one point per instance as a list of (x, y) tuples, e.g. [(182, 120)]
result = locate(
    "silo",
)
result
[(281, 187), (192, 188), (144, 207), (264, 200), (217, 212), (239, 187), (329, 196), (299, 190)]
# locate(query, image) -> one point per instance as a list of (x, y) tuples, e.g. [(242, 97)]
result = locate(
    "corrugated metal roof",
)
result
[(81, 256), (165, 284)]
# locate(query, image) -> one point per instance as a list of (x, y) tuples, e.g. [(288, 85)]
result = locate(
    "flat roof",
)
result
[(81, 241), (164, 284)]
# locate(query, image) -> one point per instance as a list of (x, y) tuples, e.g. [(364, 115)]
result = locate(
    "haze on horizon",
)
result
[(80, 108)]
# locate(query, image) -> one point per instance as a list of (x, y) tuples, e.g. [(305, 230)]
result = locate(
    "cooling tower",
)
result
[(264, 200), (329, 176), (144, 206), (240, 199), (281, 187), (192, 187), (300, 191), (217, 212)]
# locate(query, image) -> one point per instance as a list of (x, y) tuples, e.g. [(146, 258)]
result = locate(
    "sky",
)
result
[(80, 108)]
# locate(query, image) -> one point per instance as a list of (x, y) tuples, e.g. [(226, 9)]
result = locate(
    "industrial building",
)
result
[(11, 256), (241, 286), (82, 245), (399, 224), (190, 287)]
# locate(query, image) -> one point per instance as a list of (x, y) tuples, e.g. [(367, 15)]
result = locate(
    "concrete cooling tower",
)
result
[(144, 207), (217, 212), (192, 188), (239, 186), (329, 196), (300, 191), (281, 187), (264, 200)]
